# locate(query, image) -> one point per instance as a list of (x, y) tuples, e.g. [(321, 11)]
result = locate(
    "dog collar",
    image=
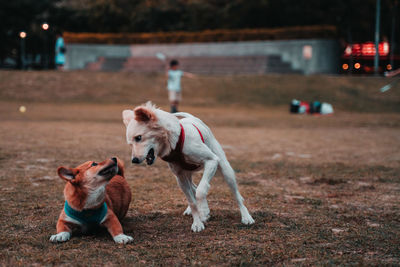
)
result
[(176, 156), (89, 216)]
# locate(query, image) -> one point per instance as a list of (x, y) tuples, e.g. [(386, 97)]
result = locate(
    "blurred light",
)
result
[(356, 49), (357, 65), (383, 49), (45, 26), (22, 35), (345, 66), (348, 50), (389, 67), (367, 49), (368, 69)]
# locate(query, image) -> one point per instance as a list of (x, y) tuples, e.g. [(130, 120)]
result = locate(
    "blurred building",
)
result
[(232, 52)]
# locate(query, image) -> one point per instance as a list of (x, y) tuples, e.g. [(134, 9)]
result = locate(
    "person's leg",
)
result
[(173, 107), (172, 101), (178, 97), (176, 104)]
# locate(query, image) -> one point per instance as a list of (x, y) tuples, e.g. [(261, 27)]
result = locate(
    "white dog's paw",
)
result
[(198, 226), (188, 211), (204, 211), (122, 239), (60, 237), (204, 215), (247, 220)]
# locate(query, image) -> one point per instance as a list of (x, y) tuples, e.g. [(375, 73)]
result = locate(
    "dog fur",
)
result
[(90, 185), (152, 133)]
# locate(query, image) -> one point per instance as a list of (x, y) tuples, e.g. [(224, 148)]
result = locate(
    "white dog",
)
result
[(187, 145)]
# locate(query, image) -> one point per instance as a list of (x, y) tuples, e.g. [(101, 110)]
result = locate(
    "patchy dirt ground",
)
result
[(323, 190)]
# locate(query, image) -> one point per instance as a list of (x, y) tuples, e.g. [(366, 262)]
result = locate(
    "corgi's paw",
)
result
[(188, 211), (247, 220), (123, 239), (197, 226), (60, 237)]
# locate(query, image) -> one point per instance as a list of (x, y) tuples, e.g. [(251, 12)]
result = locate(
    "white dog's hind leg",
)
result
[(229, 176), (185, 183), (188, 211)]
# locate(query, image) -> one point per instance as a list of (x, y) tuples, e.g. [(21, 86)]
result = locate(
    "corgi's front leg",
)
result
[(63, 230), (114, 227)]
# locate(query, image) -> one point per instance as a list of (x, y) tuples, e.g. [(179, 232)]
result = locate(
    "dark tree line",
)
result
[(354, 19)]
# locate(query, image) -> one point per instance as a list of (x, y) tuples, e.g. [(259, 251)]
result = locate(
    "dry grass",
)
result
[(323, 190), (360, 94)]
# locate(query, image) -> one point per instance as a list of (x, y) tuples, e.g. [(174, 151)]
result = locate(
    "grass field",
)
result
[(324, 190)]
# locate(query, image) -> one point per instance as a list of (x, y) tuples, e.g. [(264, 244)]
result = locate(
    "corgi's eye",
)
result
[(138, 138), (94, 164)]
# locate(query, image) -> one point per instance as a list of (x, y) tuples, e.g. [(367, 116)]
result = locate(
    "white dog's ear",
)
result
[(66, 174), (144, 114), (127, 116)]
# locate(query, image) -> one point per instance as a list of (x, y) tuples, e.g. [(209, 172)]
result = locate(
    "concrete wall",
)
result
[(325, 57)]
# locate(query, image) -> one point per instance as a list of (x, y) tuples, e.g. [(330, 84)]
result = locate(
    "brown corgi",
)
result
[(95, 193)]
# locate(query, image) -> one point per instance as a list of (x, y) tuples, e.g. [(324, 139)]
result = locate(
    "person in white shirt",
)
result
[(174, 84)]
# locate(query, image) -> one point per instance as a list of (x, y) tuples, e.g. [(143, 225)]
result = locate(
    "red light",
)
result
[(356, 49), (389, 67), (367, 49), (345, 66), (357, 65), (383, 49)]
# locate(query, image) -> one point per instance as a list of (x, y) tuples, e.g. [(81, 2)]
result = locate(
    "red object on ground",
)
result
[(306, 106)]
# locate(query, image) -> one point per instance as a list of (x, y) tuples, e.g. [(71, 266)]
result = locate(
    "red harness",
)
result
[(176, 156)]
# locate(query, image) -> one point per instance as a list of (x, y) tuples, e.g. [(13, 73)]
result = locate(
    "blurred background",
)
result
[(208, 36)]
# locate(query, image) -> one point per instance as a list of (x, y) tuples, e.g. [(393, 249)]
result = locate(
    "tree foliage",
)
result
[(353, 18)]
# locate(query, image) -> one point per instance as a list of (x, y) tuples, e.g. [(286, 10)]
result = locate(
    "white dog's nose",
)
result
[(135, 160)]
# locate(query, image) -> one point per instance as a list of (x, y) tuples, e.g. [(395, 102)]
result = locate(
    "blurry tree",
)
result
[(355, 18), (23, 15)]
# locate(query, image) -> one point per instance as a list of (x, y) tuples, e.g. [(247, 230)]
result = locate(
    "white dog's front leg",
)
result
[(185, 183), (210, 167), (188, 210)]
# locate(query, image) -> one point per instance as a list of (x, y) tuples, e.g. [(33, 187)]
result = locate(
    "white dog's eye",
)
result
[(138, 138)]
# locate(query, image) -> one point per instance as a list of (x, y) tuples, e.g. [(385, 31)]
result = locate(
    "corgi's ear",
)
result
[(121, 167), (66, 174), (127, 116), (144, 114)]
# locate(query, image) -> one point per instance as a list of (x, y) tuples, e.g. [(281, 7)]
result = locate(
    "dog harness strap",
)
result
[(202, 139), (181, 141), (176, 156), (86, 216)]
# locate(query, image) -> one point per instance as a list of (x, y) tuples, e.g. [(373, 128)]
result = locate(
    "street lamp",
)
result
[(45, 27), (22, 35), (377, 28)]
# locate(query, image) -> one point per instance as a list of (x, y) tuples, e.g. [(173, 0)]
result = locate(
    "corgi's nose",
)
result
[(114, 159), (135, 160)]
